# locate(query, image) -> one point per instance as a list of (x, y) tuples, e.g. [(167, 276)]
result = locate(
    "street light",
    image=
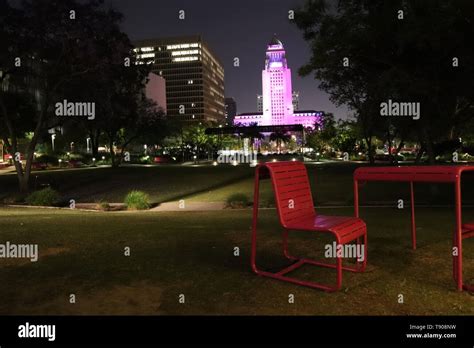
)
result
[(53, 137)]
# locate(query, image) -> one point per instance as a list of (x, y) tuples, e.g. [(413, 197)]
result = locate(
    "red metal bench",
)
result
[(295, 208)]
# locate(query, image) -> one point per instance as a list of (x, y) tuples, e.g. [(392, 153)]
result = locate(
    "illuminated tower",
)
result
[(278, 105), (276, 86)]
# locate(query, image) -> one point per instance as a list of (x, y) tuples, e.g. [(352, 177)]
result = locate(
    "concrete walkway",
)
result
[(189, 206)]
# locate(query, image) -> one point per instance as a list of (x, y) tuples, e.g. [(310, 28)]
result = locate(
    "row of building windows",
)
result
[(194, 78)]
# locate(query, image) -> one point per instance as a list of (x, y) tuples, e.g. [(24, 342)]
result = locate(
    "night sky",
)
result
[(232, 29)]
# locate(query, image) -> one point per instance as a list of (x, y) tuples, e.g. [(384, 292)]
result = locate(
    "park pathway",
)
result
[(189, 206)]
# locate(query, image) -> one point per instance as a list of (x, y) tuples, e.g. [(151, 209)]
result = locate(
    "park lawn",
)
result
[(162, 183), (191, 253), (331, 185)]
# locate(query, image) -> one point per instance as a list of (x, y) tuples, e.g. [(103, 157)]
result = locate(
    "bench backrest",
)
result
[(292, 190)]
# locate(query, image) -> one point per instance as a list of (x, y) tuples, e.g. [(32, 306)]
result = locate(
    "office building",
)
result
[(230, 110), (194, 76)]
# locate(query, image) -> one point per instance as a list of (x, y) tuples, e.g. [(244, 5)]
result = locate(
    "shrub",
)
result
[(45, 197), (145, 160), (75, 157), (237, 200), (48, 159), (137, 200), (14, 198)]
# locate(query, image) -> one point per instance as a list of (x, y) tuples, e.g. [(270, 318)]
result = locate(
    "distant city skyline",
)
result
[(232, 30)]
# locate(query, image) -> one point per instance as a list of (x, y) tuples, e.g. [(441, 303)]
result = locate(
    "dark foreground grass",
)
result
[(191, 253)]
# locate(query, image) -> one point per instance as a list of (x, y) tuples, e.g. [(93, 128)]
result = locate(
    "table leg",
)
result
[(413, 225), (356, 198), (458, 239)]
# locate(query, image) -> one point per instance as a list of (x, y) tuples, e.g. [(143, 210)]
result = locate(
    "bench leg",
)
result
[(455, 258), (281, 275), (457, 271), (298, 262)]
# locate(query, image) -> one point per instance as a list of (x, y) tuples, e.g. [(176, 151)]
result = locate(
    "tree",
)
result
[(346, 136), (54, 42), (363, 54), (195, 135), (279, 137), (148, 125), (322, 136), (253, 134)]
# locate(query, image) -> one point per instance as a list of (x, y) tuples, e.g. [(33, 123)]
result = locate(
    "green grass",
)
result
[(331, 185), (161, 183), (191, 253)]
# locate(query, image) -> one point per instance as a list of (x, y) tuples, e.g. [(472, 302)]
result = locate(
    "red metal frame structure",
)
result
[(432, 174), (295, 208)]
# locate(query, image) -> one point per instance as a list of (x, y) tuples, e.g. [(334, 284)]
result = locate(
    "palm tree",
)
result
[(254, 134), (280, 138)]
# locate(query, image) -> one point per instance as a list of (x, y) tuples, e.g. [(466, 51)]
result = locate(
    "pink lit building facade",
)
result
[(277, 95)]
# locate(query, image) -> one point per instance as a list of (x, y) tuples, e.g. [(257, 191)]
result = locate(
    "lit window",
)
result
[(184, 53), (184, 59)]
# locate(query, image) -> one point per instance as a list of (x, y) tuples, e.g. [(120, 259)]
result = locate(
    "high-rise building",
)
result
[(278, 102), (276, 85), (230, 110), (259, 103), (296, 100), (194, 76)]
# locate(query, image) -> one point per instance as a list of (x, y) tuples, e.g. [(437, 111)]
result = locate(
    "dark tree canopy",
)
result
[(365, 52)]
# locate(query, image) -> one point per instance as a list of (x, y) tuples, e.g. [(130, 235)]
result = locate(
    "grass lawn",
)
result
[(162, 183), (191, 253), (331, 185)]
